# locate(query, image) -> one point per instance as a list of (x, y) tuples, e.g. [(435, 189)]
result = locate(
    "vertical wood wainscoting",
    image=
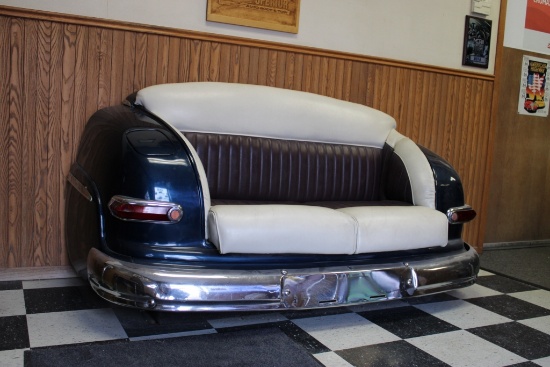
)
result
[(55, 71)]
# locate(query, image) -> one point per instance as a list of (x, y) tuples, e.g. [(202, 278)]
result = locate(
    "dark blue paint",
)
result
[(449, 192)]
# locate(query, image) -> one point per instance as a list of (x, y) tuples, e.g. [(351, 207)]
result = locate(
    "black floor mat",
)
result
[(527, 264), (264, 347)]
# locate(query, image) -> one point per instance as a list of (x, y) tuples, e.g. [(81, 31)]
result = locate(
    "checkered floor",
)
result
[(497, 322)]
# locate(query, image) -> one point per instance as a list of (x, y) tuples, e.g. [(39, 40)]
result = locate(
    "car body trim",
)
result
[(161, 287), (168, 206), (83, 190)]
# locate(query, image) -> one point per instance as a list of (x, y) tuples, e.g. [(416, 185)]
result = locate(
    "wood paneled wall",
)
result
[(520, 182), (55, 71)]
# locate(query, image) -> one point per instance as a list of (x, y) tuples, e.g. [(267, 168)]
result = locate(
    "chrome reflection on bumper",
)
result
[(186, 288)]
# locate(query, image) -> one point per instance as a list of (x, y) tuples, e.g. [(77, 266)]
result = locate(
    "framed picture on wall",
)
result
[(277, 15), (477, 41)]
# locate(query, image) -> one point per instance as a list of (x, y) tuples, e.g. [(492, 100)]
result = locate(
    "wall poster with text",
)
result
[(534, 93)]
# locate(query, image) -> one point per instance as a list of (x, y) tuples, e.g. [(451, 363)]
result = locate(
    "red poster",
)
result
[(538, 15)]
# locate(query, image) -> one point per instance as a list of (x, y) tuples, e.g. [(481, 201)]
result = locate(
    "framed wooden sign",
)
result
[(277, 15)]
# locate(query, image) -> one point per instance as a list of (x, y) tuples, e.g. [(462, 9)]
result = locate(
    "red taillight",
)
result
[(461, 214), (126, 208)]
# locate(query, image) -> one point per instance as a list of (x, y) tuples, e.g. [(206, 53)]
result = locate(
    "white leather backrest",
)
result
[(253, 110)]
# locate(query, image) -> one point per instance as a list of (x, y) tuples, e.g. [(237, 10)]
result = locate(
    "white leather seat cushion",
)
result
[(279, 229), (398, 228)]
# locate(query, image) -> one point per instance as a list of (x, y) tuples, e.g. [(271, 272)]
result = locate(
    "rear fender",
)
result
[(156, 167), (125, 152), (449, 191)]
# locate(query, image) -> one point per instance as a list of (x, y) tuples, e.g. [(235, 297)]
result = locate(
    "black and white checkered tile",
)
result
[(497, 322)]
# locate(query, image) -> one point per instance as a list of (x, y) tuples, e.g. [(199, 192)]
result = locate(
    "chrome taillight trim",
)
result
[(83, 190), (453, 214), (170, 208)]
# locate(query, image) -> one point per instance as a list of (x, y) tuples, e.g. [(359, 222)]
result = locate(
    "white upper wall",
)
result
[(421, 31)]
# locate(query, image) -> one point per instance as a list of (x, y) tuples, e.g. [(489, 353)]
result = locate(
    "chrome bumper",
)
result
[(186, 288)]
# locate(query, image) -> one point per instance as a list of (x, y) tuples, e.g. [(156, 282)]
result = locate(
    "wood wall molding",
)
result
[(56, 70), (499, 63)]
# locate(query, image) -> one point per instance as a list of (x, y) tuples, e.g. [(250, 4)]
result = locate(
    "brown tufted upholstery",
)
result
[(253, 169)]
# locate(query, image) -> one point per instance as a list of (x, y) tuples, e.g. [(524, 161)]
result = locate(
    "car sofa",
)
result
[(284, 180)]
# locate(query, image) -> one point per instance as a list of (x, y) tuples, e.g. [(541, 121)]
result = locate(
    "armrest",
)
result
[(407, 174), (415, 174)]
